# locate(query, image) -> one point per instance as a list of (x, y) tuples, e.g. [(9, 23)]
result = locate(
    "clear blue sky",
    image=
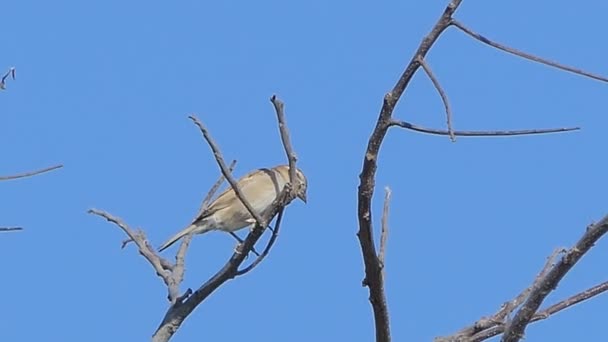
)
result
[(106, 87)]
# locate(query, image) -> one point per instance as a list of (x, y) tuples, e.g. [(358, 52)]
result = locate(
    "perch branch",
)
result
[(178, 312)]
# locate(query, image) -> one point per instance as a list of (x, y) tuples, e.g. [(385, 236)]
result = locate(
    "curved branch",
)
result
[(526, 55), (373, 270), (30, 173)]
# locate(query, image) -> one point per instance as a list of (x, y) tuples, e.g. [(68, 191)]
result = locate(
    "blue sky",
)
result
[(106, 87)]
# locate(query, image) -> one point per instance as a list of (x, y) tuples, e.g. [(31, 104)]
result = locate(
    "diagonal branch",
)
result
[(442, 94), (30, 173), (407, 125), (11, 73), (515, 330), (178, 312), (226, 172), (526, 55)]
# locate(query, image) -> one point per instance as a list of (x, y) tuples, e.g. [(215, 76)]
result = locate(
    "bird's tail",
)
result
[(191, 229)]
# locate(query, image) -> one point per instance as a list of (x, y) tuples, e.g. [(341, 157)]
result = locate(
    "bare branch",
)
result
[(10, 229), (515, 330), (444, 97), (526, 55), (30, 173), (279, 107), (384, 231), (503, 133), (226, 172), (373, 270), (501, 316), (260, 258), (139, 238), (10, 72), (181, 309)]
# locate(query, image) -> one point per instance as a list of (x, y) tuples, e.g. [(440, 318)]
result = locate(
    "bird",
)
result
[(227, 213)]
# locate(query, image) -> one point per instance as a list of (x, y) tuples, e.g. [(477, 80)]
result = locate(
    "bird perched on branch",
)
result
[(227, 213)]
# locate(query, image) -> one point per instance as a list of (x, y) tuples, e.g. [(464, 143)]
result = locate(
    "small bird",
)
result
[(227, 213)]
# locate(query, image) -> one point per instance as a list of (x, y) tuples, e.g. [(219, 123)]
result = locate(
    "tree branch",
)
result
[(10, 72), (10, 229), (178, 312), (526, 55), (407, 125), (30, 173), (442, 94), (531, 298), (373, 270), (515, 330)]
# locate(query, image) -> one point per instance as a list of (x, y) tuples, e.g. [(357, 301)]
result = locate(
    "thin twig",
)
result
[(515, 330), (30, 173), (442, 94), (502, 133), (260, 258), (139, 238), (526, 55), (10, 72), (226, 172), (384, 231), (10, 229), (279, 108)]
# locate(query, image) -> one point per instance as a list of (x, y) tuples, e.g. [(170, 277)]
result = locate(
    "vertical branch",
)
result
[(279, 108), (373, 270)]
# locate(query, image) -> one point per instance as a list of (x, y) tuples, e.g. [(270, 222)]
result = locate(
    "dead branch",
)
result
[(30, 173), (444, 97), (384, 231), (373, 269), (178, 312), (530, 299), (10, 72), (526, 55), (10, 229), (407, 125), (515, 329)]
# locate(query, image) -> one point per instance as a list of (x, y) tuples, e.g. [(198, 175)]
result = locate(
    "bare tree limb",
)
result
[(442, 94), (530, 299), (384, 231), (503, 133), (30, 173), (279, 108), (501, 316), (10, 229), (10, 72), (373, 270), (526, 55), (515, 330), (178, 312)]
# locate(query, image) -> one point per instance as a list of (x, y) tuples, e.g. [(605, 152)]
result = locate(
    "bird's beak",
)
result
[(302, 197)]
